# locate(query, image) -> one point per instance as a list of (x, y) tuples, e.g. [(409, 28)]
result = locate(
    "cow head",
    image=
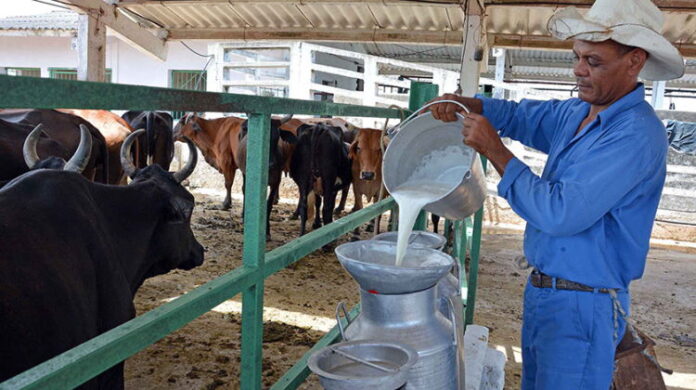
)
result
[(158, 144), (367, 151), (172, 244), (76, 163), (188, 126), (274, 159)]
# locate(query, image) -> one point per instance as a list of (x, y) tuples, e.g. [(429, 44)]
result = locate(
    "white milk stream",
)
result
[(437, 175)]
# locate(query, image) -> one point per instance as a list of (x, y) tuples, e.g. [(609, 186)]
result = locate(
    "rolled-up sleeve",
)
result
[(586, 191), (531, 122)]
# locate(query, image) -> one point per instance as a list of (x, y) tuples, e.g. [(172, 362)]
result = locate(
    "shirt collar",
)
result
[(627, 101)]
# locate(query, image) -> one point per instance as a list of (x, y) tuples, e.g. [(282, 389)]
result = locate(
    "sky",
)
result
[(24, 7)]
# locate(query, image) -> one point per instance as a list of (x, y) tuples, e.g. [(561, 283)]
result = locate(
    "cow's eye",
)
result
[(357, 149)]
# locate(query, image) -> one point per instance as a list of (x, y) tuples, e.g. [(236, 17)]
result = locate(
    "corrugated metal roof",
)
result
[(510, 23), (56, 20)]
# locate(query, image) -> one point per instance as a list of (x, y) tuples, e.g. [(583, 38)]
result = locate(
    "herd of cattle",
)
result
[(78, 239)]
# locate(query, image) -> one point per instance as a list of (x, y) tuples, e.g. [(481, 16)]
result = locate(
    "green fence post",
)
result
[(473, 265), (254, 249), (420, 94)]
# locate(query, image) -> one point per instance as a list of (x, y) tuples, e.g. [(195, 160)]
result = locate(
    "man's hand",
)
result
[(446, 112), (480, 135)]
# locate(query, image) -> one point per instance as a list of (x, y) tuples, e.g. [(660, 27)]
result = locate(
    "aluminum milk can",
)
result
[(400, 304)]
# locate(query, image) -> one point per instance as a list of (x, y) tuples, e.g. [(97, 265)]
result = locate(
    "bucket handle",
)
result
[(394, 130), (342, 307), (458, 345)]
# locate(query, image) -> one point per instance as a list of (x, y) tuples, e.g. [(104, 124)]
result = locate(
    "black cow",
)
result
[(157, 145), (63, 129), (12, 163), (74, 253), (320, 167), (31, 144), (275, 161)]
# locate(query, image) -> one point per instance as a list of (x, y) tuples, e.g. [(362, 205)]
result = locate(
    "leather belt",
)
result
[(542, 280)]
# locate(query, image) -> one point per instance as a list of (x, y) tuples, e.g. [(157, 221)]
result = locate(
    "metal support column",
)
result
[(254, 249), (658, 95), (474, 264), (420, 94)]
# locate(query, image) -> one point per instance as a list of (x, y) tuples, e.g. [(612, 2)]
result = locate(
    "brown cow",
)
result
[(226, 138), (218, 139), (115, 130), (366, 153)]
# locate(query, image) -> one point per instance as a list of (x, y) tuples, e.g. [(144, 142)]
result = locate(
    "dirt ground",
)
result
[(301, 300)]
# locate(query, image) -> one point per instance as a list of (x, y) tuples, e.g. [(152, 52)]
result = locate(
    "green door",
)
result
[(194, 80)]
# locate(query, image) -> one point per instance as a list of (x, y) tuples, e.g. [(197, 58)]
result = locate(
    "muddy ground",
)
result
[(205, 354)]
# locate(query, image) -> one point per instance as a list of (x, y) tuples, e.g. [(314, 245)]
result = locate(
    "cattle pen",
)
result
[(78, 365)]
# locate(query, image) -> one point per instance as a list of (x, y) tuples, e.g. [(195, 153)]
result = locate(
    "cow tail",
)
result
[(150, 137), (311, 201)]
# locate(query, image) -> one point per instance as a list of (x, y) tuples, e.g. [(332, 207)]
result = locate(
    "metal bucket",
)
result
[(422, 139), (364, 364)]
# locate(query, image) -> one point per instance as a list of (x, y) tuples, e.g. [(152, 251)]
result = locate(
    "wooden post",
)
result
[(474, 50), (91, 37)]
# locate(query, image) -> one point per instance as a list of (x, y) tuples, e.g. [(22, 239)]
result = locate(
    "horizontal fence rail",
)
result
[(80, 364), (32, 92)]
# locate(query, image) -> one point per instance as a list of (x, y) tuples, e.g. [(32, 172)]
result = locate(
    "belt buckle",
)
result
[(536, 279)]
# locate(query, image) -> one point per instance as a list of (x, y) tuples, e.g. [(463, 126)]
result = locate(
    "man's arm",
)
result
[(534, 123), (587, 190)]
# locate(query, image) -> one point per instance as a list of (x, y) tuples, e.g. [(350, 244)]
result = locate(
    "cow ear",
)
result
[(288, 137), (385, 141), (180, 210), (353, 150), (195, 126)]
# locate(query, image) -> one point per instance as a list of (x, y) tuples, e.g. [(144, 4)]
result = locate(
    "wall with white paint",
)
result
[(128, 65)]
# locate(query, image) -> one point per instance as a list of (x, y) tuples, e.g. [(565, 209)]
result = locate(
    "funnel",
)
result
[(371, 264), (417, 238)]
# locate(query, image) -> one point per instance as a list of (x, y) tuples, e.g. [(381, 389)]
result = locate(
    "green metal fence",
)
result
[(78, 365)]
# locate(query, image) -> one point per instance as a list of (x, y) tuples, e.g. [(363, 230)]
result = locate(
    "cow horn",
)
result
[(126, 162), (78, 162), (286, 118), (187, 170), (31, 157)]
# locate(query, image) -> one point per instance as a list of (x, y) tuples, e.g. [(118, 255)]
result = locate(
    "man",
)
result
[(590, 214)]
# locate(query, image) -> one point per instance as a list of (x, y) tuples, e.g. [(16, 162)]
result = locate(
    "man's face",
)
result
[(604, 70)]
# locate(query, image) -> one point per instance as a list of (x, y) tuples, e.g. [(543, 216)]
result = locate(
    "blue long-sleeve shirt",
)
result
[(590, 214)]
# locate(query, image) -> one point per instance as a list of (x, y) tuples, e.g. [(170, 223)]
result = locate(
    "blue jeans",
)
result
[(568, 339)]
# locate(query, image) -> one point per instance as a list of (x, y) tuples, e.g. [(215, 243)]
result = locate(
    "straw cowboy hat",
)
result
[(635, 23)]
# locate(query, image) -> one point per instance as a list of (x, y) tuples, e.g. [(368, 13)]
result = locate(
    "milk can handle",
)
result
[(342, 307), (396, 128)]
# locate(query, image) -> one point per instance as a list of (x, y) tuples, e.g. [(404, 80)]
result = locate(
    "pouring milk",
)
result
[(436, 176)]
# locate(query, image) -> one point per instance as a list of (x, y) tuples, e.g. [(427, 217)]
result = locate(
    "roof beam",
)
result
[(122, 27), (676, 5), (548, 42), (321, 34), (671, 5)]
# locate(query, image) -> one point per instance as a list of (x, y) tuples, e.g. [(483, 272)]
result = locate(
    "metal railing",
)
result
[(80, 364)]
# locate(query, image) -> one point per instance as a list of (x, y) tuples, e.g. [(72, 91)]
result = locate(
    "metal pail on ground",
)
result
[(364, 364), (417, 151)]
